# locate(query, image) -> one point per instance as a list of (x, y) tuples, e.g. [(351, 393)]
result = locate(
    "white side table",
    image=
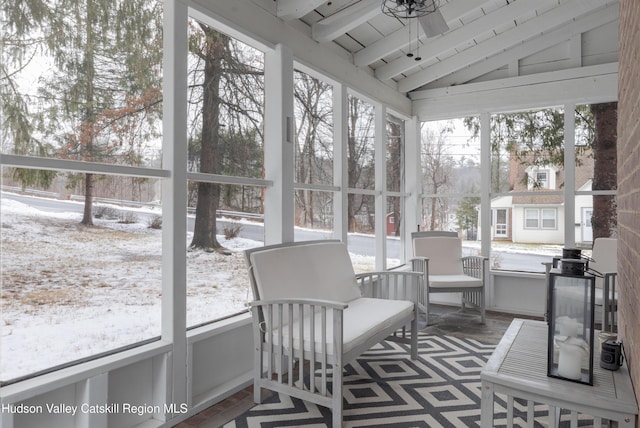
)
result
[(518, 369)]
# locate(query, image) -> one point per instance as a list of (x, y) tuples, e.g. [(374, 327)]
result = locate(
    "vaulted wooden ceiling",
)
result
[(549, 47)]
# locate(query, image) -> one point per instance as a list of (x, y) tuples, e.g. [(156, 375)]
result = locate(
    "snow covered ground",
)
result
[(70, 292)]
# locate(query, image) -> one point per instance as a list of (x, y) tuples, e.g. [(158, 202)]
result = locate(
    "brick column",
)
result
[(629, 185)]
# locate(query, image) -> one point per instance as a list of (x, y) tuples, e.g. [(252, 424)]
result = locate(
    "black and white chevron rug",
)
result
[(385, 388)]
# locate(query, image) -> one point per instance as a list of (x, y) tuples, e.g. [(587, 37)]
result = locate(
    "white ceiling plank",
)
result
[(556, 17), (400, 38), (523, 50), (341, 22), (461, 35), (293, 9), (559, 89)]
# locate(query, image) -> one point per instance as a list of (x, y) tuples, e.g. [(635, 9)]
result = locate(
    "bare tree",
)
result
[(438, 165), (360, 159), (395, 177), (313, 127)]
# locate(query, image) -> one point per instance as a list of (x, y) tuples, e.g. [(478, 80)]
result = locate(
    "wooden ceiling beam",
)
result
[(466, 33), (343, 21), (548, 21), (288, 10)]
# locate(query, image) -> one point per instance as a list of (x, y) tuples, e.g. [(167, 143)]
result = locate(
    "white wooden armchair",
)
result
[(604, 262), (312, 315), (438, 255)]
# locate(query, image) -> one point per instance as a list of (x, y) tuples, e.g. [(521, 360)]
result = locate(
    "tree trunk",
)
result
[(87, 129), (204, 231), (87, 215), (604, 220), (434, 209)]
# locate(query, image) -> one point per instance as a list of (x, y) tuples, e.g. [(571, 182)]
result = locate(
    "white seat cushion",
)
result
[(362, 319), (453, 281)]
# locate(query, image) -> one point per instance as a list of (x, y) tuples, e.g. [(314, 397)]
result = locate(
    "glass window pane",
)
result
[(313, 215), (225, 114), (361, 239), (531, 218), (95, 98), (395, 154), (596, 169), (217, 281), (313, 103), (225, 109), (549, 218), (360, 144), (72, 291), (394, 227)]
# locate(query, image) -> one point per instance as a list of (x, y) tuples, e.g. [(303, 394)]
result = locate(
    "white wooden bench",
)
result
[(297, 353)]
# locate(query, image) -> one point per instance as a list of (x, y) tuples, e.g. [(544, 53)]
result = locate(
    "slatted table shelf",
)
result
[(518, 370)]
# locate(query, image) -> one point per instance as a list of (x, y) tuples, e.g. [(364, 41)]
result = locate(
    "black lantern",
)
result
[(571, 323)]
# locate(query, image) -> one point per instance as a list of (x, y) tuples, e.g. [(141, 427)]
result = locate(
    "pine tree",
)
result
[(102, 95)]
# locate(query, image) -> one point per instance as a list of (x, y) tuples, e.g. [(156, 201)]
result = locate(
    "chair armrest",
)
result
[(271, 319), (475, 266), (331, 304), (420, 264), (392, 285)]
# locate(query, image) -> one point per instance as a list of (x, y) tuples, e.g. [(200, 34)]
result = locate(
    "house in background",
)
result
[(535, 211)]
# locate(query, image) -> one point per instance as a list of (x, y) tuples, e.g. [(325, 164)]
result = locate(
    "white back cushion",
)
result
[(316, 271), (444, 253), (604, 255)]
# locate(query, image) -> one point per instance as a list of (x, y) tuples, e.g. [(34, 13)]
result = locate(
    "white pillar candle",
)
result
[(570, 360), (568, 326)]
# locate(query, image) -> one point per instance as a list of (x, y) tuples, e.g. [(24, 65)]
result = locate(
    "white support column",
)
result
[(412, 181), (569, 175), (381, 186), (485, 199), (174, 197), (93, 391), (6, 419), (278, 146), (485, 183), (340, 167)]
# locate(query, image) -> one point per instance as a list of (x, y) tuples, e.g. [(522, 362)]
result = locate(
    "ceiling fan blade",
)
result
[(433, 24)]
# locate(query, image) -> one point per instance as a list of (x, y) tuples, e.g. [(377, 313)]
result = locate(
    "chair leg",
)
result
[(257, 373), (337, 394), (414, 336)]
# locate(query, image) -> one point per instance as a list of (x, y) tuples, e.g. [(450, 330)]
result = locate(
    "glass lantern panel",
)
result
[(571, 325)]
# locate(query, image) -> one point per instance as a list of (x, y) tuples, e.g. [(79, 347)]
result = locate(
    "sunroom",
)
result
[(138, 165)]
